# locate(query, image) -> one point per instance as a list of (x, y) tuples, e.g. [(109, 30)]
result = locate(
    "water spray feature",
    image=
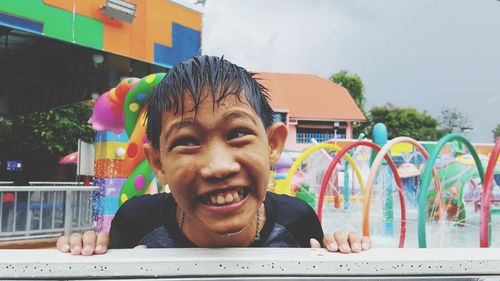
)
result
[(440, 205)]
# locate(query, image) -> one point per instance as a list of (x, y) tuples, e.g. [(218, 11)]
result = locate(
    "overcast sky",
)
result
[(429, 54)]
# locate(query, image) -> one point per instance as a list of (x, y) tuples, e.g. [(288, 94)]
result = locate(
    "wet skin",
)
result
[(216, 163)]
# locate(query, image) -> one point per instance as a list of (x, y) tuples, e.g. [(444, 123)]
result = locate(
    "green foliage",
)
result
[(355, 87), (5, 128), (452, 120), (54, 132), (404, 122), (496, 132), (353, 84)]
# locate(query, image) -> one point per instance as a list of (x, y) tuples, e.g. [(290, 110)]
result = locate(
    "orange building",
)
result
[(311, 107)]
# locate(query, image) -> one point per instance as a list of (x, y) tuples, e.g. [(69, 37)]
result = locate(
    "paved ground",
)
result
[(47, 243)]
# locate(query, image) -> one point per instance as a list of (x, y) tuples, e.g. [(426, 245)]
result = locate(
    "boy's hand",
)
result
[(86, 245), (343, 242)]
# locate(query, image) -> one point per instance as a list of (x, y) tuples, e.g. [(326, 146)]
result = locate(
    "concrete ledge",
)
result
[(236, 263)]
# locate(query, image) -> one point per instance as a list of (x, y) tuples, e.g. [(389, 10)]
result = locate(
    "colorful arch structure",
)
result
[(334, 164), (309, 151), (485, 218), (373, 173), (429, 172)]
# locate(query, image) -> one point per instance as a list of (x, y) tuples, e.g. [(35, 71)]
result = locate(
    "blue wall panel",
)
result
[(186, 43), (20, 23)]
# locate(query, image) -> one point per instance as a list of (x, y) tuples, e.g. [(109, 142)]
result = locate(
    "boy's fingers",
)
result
[(330, 243), (102, 243), (355, 242), (63, 244), (89, 238), (341, 239), (366, 243), (314, 243), (75, 243)]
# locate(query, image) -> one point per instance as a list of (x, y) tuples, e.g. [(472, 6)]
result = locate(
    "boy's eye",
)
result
[(239, 133), (187, 141)]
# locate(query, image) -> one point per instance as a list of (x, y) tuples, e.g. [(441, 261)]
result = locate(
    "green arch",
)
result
[(427, 176)]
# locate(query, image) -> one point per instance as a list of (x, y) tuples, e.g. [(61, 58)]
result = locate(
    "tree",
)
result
[(54, 132), (355, 87), (452, 120), (405, 122), (5, 128), (496, 132), (353, 84), (40, 139)]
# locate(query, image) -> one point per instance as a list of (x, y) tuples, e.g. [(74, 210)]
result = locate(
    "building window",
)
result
[(305, 135), (279, 117)]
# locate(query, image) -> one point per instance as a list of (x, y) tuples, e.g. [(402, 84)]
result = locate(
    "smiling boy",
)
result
[(212, 140)]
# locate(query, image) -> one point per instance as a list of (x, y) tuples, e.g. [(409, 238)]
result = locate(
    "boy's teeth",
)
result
[(225, 198), (220, 199), (229, 198)]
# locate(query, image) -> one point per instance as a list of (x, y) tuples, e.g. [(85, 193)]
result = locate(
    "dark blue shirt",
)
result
[(150, 220)]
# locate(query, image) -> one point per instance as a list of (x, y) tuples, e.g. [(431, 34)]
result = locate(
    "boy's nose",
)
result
[(219, 163)]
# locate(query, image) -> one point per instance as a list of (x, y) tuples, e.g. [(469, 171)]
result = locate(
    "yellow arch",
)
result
[(307, 152)]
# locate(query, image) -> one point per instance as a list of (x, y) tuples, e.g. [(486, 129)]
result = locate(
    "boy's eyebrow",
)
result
[(177, 125), (239, 114), (236, 114)]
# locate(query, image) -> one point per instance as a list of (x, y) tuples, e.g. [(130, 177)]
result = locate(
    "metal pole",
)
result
[(14, 212), (68, 213), (28, 213), (40, 213), (1, 210), (54, 197), (80, 208)]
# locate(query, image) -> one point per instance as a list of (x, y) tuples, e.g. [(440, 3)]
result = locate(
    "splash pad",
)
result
[(447, 200), (424, 195)]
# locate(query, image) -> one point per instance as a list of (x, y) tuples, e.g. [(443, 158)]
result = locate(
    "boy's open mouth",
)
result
[(224, 197)]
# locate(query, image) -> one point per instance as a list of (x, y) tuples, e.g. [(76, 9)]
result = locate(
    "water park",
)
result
[(402, 192), (431, 207)]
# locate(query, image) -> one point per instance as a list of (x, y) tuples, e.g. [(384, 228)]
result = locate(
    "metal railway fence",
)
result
[(29, 212)]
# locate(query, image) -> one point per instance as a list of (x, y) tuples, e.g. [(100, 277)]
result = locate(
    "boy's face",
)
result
[(217, 163)]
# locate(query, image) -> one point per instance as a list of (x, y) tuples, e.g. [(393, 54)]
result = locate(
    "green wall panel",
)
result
[(89, 32), (57, 23)]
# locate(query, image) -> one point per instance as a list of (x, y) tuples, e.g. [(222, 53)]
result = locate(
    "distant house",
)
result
[(311, 107)]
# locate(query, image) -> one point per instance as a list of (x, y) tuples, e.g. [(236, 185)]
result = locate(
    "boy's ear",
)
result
[(154, 160), (276, 135)]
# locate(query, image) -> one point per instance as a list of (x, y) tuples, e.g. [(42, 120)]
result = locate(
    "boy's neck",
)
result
[(208, 239)]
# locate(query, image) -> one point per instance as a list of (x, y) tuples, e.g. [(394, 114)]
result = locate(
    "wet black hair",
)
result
[(193, 78)]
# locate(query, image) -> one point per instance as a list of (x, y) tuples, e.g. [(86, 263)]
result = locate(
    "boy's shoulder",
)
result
[(285, 208), (137, 217), (284, 199), (296, 216), (144, 210), (138, 205), (147, 199)]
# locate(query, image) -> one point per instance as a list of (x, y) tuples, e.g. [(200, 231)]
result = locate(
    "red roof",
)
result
[(309, 97)]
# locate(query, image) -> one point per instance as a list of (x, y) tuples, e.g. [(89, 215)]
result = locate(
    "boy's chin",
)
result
[(228, 234), (227, 231)]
